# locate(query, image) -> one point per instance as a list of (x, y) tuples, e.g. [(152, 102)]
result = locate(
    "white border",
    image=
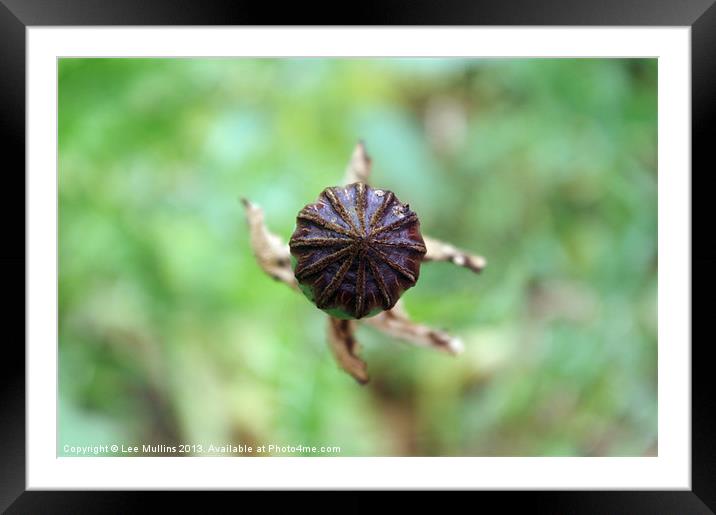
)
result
[(671, 469)]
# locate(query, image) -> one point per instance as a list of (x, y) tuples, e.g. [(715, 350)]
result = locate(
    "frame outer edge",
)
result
[(703, 112), (12, 143)]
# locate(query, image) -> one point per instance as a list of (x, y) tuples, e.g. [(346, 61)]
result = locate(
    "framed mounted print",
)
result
[(442, 250)]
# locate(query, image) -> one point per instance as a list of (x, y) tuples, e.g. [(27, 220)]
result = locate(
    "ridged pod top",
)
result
[(356, 250)]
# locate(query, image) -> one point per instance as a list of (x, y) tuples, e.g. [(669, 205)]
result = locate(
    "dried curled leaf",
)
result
[(345, 348), (441, 251), (359, 166), (271, 253), (397, 324)]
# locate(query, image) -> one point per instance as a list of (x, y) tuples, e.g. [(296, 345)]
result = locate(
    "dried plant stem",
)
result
[(441, 251), (397, 324), (359, 166), (341, 337), (271, 253)]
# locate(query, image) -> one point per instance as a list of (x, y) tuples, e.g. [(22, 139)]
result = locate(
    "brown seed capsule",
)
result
[(356, 250)]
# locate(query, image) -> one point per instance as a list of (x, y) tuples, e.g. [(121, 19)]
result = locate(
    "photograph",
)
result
[(357, 257)]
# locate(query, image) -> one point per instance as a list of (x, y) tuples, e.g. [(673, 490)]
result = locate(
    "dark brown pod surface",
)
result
[(356, 250)]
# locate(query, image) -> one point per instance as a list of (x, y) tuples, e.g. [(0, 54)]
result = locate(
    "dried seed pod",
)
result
[(356, 250)]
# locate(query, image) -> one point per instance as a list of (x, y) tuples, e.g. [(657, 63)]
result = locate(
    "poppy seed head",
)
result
[(356, 250)]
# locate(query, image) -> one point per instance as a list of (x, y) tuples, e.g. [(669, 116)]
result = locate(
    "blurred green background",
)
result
[(170, 333)]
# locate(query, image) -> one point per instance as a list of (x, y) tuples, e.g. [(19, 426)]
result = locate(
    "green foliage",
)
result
[(170, 333)]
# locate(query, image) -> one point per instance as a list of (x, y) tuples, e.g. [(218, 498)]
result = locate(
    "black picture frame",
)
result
[(700, 15)]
